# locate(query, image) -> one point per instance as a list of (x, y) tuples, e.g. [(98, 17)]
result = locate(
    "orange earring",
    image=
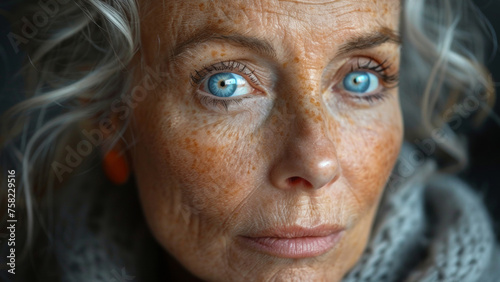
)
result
[(116, 167)]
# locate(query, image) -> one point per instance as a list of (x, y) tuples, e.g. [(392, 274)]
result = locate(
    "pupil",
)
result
[(222, 83), (358, 80)]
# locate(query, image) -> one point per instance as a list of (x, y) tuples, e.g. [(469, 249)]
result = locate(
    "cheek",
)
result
[(367, 153), (367, 150), (210, 172), (193, 173), (195, 170)]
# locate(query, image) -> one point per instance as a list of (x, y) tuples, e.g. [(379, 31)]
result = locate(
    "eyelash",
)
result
[(391, 80), (198, 76)]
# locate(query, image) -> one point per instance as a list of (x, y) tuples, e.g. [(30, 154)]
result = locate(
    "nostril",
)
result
[(295, 180)]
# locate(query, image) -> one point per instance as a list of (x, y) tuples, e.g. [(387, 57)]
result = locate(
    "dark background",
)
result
[(483, 171), (484, 143)]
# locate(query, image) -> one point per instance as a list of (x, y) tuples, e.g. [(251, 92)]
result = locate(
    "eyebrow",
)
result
[(261, 46), (264, 47), (370, 40)]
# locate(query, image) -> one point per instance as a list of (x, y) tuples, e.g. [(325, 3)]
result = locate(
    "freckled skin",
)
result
[(206, 176)]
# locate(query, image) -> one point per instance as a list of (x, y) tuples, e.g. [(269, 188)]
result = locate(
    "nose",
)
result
[(308, 159)]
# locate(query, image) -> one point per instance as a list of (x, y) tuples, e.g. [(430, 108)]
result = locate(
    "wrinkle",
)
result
[(308, 3), (352, 192), (234, 212)]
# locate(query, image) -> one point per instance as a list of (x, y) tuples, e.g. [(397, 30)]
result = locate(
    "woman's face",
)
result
[(264, 151)]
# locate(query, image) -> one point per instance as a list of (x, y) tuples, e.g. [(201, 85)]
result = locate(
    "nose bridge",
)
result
[(311, 115), (309, 159), (311, 124), (312, 129)]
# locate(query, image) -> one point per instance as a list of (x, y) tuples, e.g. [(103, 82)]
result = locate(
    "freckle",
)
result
[(223, 54), (220, 21), (318, 119), (254, 168), (285, 64), (214, 53), (202, 7), (296, 59)]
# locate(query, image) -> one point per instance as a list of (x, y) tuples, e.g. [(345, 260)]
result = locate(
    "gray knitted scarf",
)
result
[(430, 228)]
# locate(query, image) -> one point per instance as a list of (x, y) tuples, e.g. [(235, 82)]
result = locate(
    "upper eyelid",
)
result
[(372, 64), (380, 69), (230, 66)]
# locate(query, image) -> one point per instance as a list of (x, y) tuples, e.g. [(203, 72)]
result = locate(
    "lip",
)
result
[(295, 242)]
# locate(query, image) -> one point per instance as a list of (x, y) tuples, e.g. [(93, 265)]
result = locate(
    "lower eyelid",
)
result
[(222, 106), (369, 99)]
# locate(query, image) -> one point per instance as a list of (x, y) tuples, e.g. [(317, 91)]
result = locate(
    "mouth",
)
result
[(294, 242)]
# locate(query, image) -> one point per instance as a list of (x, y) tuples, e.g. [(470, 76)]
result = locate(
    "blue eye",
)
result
[(227, 84), (360, 82)]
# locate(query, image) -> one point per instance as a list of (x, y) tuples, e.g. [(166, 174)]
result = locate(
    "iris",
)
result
[(223, 84), (360, 82)]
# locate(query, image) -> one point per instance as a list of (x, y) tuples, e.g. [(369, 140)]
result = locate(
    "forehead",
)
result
[(317, 17), (292, 26)]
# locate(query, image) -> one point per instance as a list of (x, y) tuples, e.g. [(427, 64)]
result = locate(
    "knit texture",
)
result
[(431, 228)]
